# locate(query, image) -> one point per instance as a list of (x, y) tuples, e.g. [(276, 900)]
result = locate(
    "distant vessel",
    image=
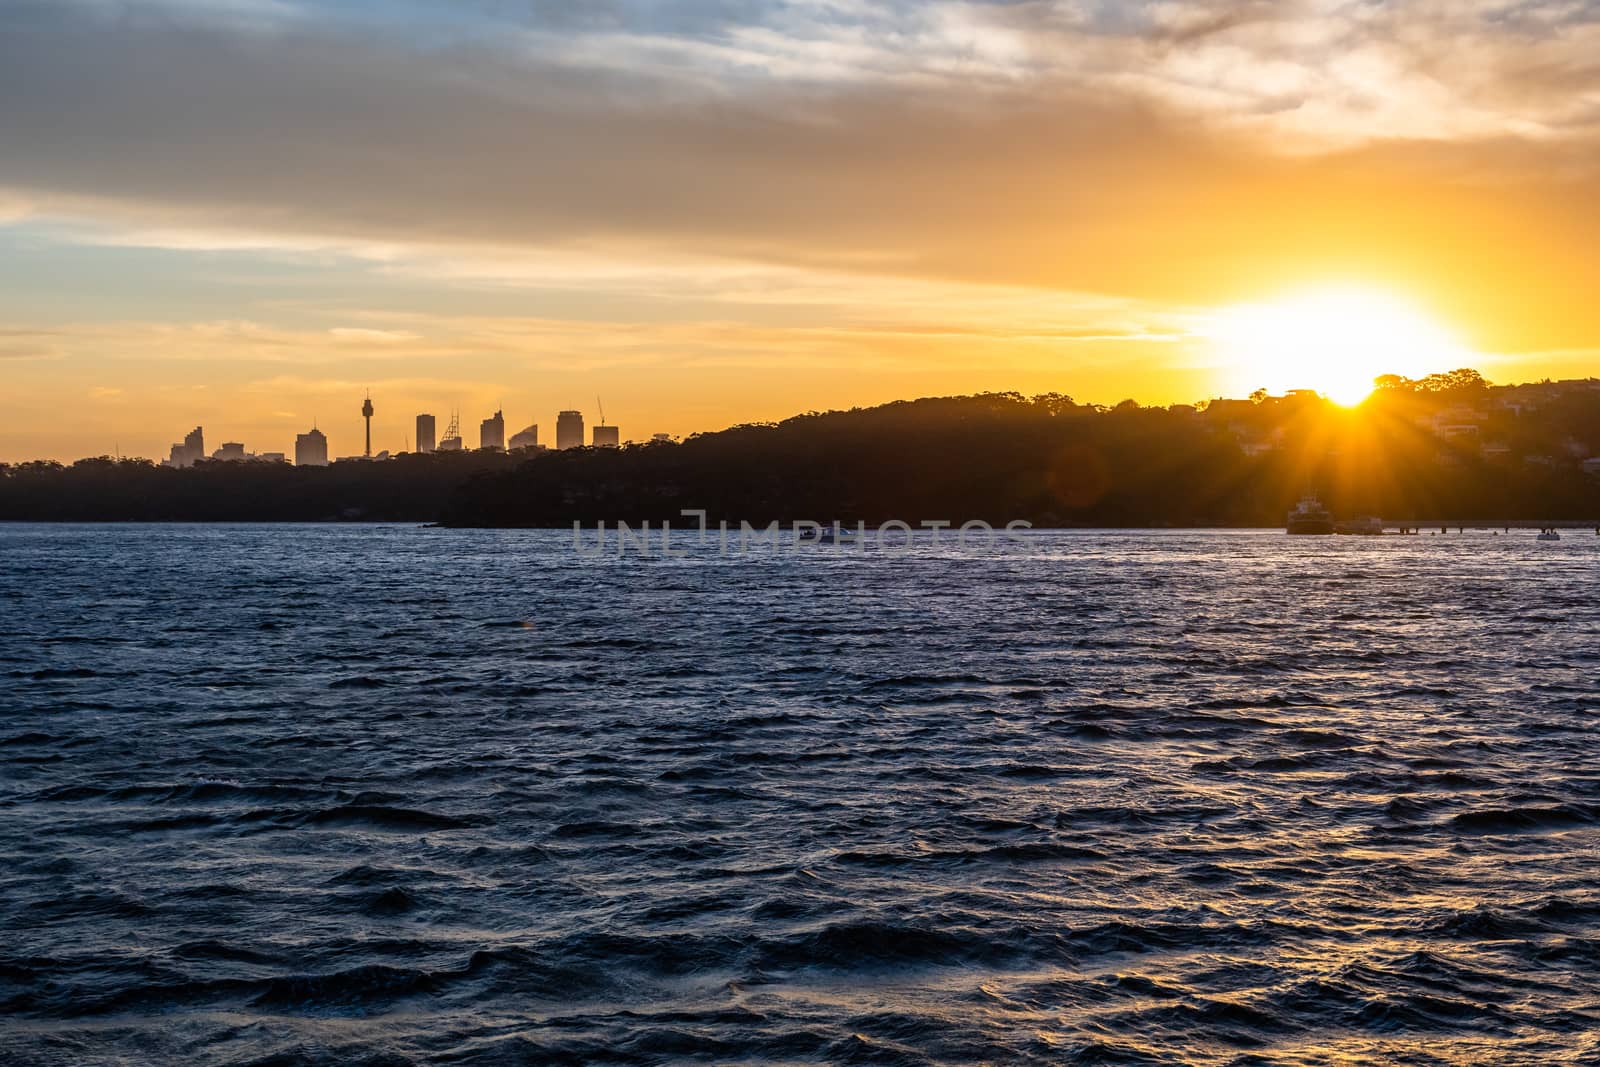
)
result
[(1310, 517), (829, 535), (1366, 526), (1548, 534)]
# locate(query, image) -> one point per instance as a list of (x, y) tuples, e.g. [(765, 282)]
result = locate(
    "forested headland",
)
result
[(1450, 446)]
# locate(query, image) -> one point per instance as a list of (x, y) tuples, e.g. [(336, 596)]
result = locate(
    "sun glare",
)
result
[(1333, 340)]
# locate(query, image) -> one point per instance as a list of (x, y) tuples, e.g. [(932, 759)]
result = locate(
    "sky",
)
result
[(245, 214)]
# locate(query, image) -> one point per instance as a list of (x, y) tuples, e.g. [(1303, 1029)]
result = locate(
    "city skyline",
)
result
[(713, 214), (571, 430), (492, 433)]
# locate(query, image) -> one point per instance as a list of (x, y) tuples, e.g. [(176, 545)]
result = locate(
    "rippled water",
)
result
[(343, 794)]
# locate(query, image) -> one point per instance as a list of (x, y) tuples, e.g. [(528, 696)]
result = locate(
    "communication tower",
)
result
[(366, 413)]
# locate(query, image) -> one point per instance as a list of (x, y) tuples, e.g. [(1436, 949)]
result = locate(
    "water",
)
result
[(342, 794)]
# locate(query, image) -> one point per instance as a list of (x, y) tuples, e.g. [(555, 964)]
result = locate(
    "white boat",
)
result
[(828, 535)]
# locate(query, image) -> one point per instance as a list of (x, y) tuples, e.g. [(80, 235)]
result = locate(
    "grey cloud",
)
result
[(323, 131), (1058, 178)]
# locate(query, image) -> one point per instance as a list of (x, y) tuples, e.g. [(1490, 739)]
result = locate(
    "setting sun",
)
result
[(1335, 340)]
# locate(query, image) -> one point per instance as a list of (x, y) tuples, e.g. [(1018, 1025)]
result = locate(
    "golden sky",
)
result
[(245, 214)]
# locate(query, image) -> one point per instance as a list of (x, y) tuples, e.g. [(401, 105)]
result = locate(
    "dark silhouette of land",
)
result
[(408, 488), (1449, 445)]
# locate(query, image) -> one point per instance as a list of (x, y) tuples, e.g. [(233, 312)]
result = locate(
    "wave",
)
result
[(1517, 820), (382, 817)]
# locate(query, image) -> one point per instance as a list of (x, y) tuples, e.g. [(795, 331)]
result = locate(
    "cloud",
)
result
[(13, 208), (345, 388), (29, 345), (361, 335), (1184, 151)]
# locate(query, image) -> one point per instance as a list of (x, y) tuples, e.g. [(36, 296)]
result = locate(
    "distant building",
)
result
[(311, 449), (1230, 409), (661, 438), (271, 457), (230, 450), (528, 438), (492, 432), (569, 429), (451, 441), (425, 432), (192, 449), (605, 437), (1457, 420)]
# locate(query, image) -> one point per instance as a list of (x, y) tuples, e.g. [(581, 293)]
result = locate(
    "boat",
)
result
[(1548, 534), (1310, 517), (1366, 526), (828, 535)]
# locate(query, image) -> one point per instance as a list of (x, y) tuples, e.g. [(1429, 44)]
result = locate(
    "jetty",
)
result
[(1444, 526)]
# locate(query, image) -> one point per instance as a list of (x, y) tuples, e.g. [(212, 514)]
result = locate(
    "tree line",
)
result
[(996, 457)]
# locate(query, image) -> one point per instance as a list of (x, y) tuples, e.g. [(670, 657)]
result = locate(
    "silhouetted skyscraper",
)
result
[(526, 438), (605, 437), (569, 429), (425, 436), (311, 449), (492, 432), (366, 413), (193, 448)]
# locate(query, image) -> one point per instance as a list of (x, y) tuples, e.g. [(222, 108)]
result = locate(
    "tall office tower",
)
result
[(193, 448), (527, 438), (425, 433), (569, 429), (311, 449), (604, 436), (492, 432)]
